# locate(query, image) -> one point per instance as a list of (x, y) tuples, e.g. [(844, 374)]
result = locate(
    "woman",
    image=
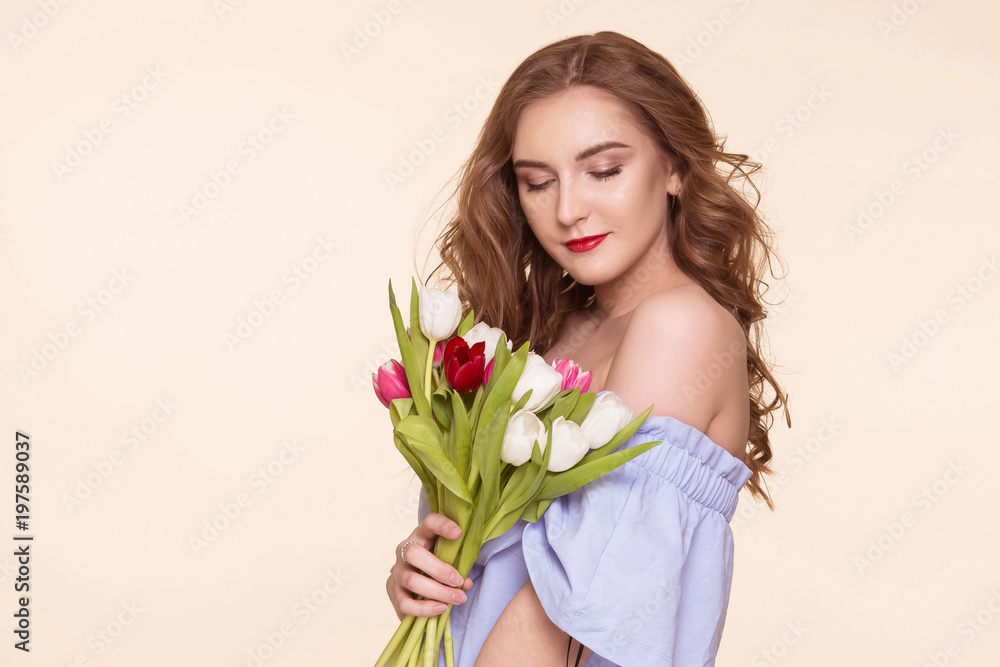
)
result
[(594, 221)]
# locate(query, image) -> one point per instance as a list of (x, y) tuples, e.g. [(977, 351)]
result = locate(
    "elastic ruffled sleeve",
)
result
[(637, 565)]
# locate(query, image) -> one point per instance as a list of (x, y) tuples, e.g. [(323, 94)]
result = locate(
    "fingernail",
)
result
[(458, 596), (456, 579), (439, 608)]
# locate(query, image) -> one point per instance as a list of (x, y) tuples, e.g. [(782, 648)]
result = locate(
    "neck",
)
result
[(654, 272)]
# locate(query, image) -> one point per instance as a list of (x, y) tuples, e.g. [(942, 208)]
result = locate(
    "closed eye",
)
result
[(605, 175), (599, 175)]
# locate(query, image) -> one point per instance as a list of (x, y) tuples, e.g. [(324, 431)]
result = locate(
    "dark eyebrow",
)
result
[(593, 150)]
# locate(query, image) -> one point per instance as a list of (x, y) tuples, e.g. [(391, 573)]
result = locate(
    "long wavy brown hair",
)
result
[(716, 235)]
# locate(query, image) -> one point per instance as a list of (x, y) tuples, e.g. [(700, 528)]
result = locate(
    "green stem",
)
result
[(442, 625), (395, 642), (430, 367), (430, 648), (449, 650), (467, 557), (416, 632)]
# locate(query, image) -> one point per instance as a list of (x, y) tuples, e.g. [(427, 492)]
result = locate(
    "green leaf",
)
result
[(566, 482), (466, 323), (409, 357), (620, 438), (542, 461), (425, 479), (420, 342), (463, 435), (502, 384), (399, 408), (473, 540), (489, 444), (534, 511), (424, 439), (524, 401), (502, 526), (564, 403), (442, 406), (582, 408)]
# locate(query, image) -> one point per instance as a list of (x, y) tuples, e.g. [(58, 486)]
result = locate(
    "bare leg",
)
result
[(524, 635)]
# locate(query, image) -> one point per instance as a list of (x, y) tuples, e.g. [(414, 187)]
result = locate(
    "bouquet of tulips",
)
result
[(493, 435)]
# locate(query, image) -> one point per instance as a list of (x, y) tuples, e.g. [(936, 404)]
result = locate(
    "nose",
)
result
[(571, 205)]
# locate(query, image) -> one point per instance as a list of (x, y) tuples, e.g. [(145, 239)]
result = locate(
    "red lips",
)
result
[(585, 243)]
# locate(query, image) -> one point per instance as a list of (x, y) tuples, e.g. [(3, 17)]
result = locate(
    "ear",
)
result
[(672, 176)]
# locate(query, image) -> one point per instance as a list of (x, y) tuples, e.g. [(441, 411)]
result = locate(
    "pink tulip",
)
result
[(572, 377), (391, 382), (488, 371)]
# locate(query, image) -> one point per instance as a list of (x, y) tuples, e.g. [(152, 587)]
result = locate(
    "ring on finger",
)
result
[(402, 550)]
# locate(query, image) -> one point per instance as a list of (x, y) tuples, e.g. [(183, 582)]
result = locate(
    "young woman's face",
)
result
[(585, 169)]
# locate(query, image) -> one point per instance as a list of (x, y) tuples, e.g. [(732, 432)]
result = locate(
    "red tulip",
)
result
[(463, 365), (391, 382)]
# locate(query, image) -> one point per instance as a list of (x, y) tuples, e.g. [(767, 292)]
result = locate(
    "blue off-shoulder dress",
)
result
[(636, 565)]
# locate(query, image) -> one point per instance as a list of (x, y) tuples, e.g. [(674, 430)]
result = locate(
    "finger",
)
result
[(422, 559), (467, 586), (411, 607), (435, 524), (423, 585)]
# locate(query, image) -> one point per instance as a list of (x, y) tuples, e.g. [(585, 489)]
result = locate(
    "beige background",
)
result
[(890, 462)]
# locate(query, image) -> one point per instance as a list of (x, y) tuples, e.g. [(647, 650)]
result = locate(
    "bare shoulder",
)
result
[(684, 353)]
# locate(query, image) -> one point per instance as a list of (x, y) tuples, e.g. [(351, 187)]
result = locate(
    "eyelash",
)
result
[(599, 175)]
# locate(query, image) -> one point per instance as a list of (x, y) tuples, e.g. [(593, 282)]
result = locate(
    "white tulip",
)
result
[(440, 313), (484, 333), (607, 416), (569, 445), (523, 429), (544, 381)]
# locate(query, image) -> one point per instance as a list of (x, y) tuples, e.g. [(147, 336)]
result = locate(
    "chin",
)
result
[(587, 276)]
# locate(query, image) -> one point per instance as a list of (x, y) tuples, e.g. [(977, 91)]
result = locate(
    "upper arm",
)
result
[(681, 352)]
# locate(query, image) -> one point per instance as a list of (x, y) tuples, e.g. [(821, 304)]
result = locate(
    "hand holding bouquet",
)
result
[(494, 435)]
